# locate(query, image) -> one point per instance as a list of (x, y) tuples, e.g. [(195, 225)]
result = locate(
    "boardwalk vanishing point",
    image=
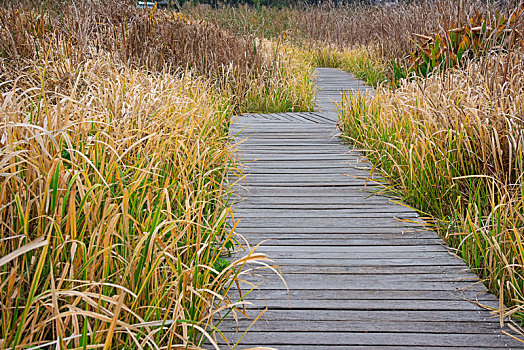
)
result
[(359, 276)]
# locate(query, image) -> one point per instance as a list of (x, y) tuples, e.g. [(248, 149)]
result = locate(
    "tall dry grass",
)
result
[(112, 212), (113, 158), (253, 75), (359, 37), (453, 146)]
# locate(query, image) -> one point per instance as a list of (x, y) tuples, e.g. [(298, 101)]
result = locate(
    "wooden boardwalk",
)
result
[(362, 274)]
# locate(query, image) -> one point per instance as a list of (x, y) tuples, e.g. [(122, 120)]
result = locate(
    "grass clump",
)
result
[(238, 66), (448, 133), (118, 190), (453, 47), (360, 61)]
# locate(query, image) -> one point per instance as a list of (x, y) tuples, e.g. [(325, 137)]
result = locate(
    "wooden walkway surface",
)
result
[(362, 274)]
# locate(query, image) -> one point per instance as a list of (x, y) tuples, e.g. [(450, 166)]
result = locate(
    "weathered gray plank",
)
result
[(325, 213), (368, 347), (376, 270), (312, 249), (353, 197), (364, 282), (367, 305), (394, 258), (377, 339), (367, 261), (349, 230), (362, 222), (384, 326), (302, 178), (378, 315), (296, 158), (464, 295), (306, 191), (369, 207), (356, 204), (252, 152), (290, 240)]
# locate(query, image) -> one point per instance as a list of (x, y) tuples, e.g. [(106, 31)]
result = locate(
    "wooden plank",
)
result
[(255, 175), (277, 142), (332, 151), (311, 149), (376, 270), (257, 168), (333, 186), (301, 179), (397, 257), (367, 261), (282, 129), (255, 129), (290, 197), (365, 305), (282, 144), (456, 274), (333, 212), (255, 121), (464, 295), (276, 145), (326, 202), (329, 187), (376, 207), (291, 183), (363, 347), (348, 163), (366, 223), (378, 315), (326, 240), (346, 230), (302, 191), (292, 137), (271, 149), (312, 249), (254, 172), (363, 282), (360, 212), (299, 157), (375, 339), (348, 233)]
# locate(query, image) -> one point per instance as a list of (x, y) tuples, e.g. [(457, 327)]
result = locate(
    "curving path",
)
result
[(362, 274)]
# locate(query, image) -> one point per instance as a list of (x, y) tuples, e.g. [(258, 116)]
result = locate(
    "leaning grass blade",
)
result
[(37, 243)]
